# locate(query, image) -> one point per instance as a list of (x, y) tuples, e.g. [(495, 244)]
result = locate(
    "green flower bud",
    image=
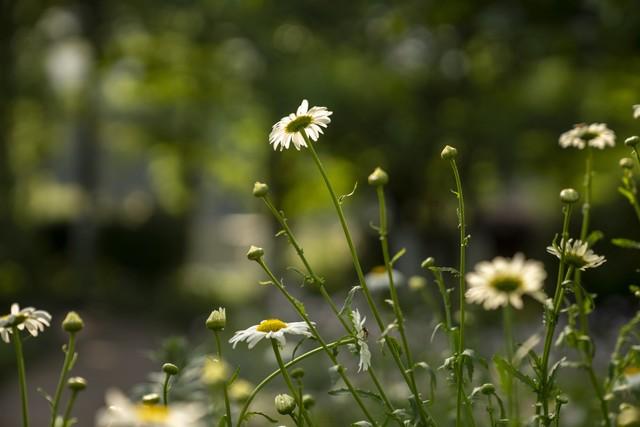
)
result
[(449, 153), (629, 416), (285, 404), (151, 399), (417, 283), (562, 399), (569, 195), (255, 253), (217, 320), (308, 401), (626, 163), (77, 384), (632, 141), (297, 373), (487, 389), (260, 189), (72, 323), (170, 369), (378, 177), (428, 263)]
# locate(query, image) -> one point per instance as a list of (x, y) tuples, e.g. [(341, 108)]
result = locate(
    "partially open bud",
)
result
[(217, 320), (308, 401), (255, 253), (632, 141), (260, 189), (428, 263), (449, 153), (629, 416), (569, 195), (417, 283), (285, 404), (151, 399), (77, 384), (626, 163), (378, 177), (170, 369), (72, 323)]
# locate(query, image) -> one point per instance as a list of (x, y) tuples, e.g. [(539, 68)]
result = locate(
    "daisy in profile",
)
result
[(305, 123), (378, 279), (122, 412), (503, 281), (596, 135), (270, 328), (34, 321), (577, 254), (361, 347)]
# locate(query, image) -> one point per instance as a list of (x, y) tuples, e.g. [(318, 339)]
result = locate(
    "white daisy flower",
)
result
[(596, 135), (577, 254), (290, 128), (362, 348), (28, 318), (122, 412), (378, 279), (503, 281), (636, 111), (270, 328)]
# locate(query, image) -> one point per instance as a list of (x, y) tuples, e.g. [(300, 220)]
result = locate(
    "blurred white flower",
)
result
[(290, 128), (596, 135), (122, 412), (362, 348), (27, 318), (503, 281), (636, 111), (270, 328), (378, 279), (577, 254)]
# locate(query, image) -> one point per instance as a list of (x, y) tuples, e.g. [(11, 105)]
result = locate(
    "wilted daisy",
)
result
[(378, 279), (122, 412), (270, 328), (290, 128), (503, 281), (361, 346), (596, 135), (27, 318), (577, 254), (636, 111)]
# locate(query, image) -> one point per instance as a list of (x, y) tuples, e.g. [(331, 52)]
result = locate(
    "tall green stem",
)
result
[(287, 379), (424, 416), (225, 393), (66, 366), (22, 376), (511, 386), (67, 413)]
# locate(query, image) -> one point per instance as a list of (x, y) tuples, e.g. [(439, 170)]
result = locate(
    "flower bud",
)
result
[(72, 323), (428, 263), (217, 320), (417, 283), (449, 153), (629, 416), (569, 195), (632, 141), (308, 401), (151, 399), (77, 384), (378, 177), (260, 189), (255, 253), (285, 404), (487, 389), (562, 399), (170, 369), (626, 163), (297, 373)]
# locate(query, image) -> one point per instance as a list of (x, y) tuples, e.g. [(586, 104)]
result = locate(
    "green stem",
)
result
[(287, 379), (22, 376), (289, 364), (588, 184), (279, 216), (66, 366), (461, 269), (225, 393), (604, 407), (511, 386), (314, 331), (165, 389), (637, 155), (424, 416), (67, 412), (446, 299)]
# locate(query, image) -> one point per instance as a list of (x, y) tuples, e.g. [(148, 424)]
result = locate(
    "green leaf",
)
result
[(346, 307), (626, 243), (433, 383), (262, 414), (504, 365), (397, 256), (46, 395), (345, 196)]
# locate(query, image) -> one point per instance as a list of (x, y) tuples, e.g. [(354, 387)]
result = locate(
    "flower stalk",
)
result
[(22, 376)]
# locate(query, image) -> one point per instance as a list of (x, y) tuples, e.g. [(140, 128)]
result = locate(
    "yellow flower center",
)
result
[(298, 124), (506, 283), (379, 269), (271, 325), (152, 413)]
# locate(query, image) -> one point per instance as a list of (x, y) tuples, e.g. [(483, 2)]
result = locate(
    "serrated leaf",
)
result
[(626, 243)]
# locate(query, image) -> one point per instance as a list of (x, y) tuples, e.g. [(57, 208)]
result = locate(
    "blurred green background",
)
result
[(131, 133)]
